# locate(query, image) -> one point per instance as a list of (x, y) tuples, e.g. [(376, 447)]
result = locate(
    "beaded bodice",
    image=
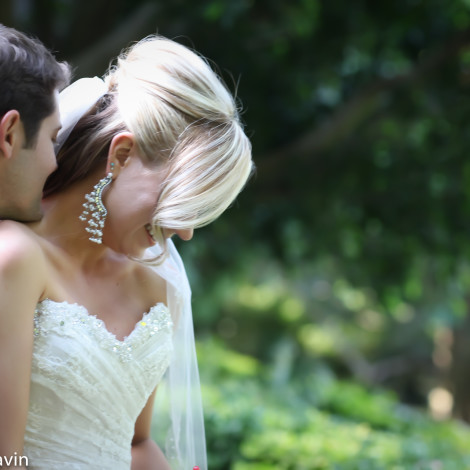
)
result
[(88, 387)]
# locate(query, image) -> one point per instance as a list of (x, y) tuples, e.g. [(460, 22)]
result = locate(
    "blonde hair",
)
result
[(181, 115), (180, 112)]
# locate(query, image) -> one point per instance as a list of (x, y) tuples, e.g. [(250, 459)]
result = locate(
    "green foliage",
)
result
[(319, 424), (357, 112), (348, 251)]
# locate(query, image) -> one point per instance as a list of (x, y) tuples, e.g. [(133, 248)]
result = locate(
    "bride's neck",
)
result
[(61, 225)]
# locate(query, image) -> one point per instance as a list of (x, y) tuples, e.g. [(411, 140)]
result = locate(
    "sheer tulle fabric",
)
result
[(75, 101), (179, 396)]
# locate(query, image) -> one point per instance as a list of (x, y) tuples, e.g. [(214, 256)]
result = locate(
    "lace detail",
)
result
[(60, 316), (88, 387)]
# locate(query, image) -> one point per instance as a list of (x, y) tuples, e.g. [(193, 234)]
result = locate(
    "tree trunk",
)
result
[(460, 375)]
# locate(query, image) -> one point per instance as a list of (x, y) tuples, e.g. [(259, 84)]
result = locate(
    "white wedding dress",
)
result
[(88, 388)]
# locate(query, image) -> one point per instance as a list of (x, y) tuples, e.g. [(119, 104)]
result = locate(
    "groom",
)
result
[(30, 79)]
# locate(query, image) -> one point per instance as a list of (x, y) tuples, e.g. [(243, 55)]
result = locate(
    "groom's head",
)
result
[(30, 79)]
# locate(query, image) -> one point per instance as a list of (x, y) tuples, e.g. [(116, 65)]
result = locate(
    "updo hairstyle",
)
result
[(182, 116)]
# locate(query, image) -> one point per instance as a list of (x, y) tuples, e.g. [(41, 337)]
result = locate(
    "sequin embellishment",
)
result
[(64, 317)]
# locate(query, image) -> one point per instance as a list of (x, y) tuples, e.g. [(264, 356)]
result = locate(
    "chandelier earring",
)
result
[(94, 210)]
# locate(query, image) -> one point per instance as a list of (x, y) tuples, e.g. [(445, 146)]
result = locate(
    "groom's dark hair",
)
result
[(29, 74)]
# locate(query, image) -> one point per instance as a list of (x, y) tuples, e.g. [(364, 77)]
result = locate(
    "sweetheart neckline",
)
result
[(100, 322)]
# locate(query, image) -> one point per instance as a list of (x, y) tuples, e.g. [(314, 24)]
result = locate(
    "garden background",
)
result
[(331, 301)]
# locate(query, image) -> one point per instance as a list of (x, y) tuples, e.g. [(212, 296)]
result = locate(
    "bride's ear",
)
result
[(120, 151), (10, 127)]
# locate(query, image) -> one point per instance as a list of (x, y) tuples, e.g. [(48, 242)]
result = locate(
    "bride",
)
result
[(95, 316)]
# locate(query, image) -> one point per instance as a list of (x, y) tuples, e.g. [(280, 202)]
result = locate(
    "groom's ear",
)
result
[(10, 129)]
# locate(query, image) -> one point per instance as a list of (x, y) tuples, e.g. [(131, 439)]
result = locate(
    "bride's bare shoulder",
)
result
[(18, 243), (22, 268)]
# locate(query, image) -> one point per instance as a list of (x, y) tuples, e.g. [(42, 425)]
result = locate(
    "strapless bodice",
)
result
[(88, 387)]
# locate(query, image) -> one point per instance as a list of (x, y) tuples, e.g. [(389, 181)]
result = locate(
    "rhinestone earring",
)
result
[(94, 210)]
